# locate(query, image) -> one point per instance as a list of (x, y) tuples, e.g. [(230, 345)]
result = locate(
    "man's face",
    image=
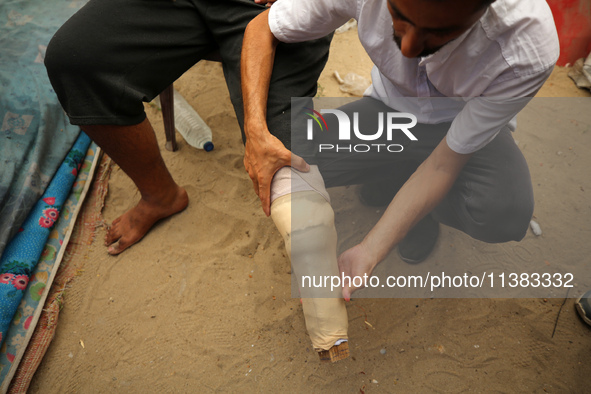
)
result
[(421, 27)]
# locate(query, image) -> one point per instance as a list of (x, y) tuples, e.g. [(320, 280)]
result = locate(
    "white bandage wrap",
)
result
[(289, 180), (305, 219)]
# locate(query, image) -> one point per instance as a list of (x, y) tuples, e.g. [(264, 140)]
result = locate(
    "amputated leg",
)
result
[(305, 219)]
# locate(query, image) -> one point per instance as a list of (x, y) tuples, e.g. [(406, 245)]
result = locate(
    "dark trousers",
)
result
[(492, 199)]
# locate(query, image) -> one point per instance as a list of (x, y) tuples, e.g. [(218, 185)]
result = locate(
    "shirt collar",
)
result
[(445, 52)]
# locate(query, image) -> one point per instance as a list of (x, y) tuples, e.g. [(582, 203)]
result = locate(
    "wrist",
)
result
[(255, 124), (371, 251)]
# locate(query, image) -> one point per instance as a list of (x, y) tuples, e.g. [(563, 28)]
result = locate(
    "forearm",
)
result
[(258, 53), (420, 195), (264, 154)]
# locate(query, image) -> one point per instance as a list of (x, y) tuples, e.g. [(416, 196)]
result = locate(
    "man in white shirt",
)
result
[(471, 67)]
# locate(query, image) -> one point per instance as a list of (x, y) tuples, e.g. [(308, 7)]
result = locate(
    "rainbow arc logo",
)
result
[(317, 117)]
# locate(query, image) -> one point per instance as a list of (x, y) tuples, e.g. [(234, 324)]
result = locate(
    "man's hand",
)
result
[(357, 261), (263, 157)]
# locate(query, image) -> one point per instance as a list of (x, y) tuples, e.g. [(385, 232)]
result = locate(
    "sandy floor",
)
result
[(204, 303)]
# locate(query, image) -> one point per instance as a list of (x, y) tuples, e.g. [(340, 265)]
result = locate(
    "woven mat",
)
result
[(73, 261)]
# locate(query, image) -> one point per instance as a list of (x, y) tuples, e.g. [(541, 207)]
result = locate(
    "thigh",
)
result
[(129, 50), (296, 68)]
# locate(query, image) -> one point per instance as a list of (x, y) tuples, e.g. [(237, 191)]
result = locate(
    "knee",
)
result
[(503, 220), (69, 57), (57, 57)]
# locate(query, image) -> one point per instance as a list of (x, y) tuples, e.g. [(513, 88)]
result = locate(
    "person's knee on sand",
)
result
[(492, 217), (506, 220)]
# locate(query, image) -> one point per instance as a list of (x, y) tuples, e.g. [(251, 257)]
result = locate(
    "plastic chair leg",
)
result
[(167, 105)]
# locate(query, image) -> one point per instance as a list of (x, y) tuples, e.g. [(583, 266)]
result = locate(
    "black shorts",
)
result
[(113, 55)]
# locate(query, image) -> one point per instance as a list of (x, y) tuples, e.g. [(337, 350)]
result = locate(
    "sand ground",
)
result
[(203, 303)]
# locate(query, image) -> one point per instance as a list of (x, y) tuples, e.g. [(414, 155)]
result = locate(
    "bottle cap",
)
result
[(208, 146)]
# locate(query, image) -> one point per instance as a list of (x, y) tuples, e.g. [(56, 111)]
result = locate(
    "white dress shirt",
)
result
[(480, 80)]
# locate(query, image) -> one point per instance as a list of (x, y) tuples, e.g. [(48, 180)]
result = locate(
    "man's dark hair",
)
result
[(485, 4), (482, 3)]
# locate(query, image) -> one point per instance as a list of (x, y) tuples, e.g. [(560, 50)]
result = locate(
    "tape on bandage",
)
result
[(289, 180)]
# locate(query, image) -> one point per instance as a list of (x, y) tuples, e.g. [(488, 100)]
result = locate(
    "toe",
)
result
[(118, 247), (112, 236), (114, 249), (124, 243)]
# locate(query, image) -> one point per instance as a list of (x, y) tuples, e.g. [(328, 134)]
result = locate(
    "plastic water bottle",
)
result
[(189, 124)]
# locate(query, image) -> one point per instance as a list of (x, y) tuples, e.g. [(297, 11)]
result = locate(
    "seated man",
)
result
[(113, 55), (467, 171)]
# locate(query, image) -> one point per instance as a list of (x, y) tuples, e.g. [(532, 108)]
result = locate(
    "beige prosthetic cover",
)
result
[(307, 219)]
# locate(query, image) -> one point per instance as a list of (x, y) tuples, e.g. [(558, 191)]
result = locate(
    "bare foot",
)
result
[(130, 227)]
